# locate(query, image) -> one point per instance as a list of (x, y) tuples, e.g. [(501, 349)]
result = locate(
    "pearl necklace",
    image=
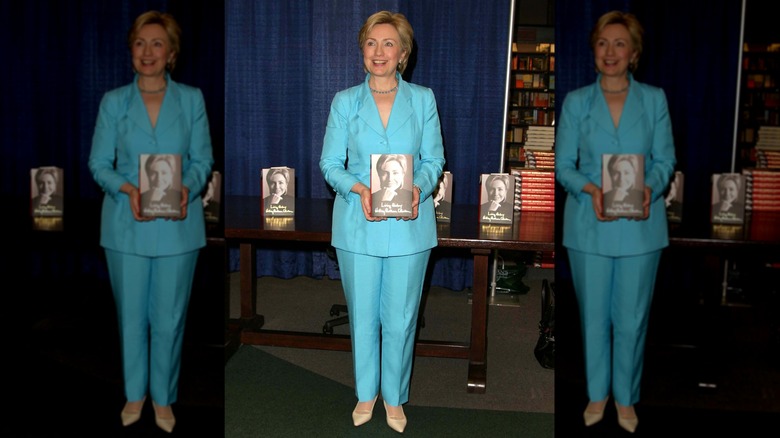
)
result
[(384, 92), (158, 91), (622, 90)]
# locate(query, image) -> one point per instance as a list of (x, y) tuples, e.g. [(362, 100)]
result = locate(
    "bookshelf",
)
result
[(759, 116), (531, 101)]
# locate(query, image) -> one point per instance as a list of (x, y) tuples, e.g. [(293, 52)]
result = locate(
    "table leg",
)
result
[(248, 267), (478, 348)]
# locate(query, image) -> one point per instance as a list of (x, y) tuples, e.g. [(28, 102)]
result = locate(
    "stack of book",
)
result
[(534, 189), (767, 159), (768, 138), (540, 138), (540, 159), (762, 189)]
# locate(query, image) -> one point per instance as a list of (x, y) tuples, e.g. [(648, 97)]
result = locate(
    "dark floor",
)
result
[(709, 368), (63, 363)]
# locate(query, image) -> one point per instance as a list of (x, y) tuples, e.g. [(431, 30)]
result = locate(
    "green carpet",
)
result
[(269, 397)]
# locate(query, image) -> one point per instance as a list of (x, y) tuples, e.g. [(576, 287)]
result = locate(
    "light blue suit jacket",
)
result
[(354, 132), (584, 133), (123, 131)]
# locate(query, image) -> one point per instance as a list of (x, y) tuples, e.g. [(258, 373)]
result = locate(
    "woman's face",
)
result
[(623, 175), (160, 175), (728, 191), (151, 50), (47, 185), (613, 50), (497, 191), (278, 184), (391, 175), (382, 51)]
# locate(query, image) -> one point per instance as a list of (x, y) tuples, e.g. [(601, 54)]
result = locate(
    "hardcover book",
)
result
[(674, 198), (442, 198), (159, 180), (392, 182), (211, 198), (728, 198), (623, 184), (46, 191), (496, 199), (278, 184)]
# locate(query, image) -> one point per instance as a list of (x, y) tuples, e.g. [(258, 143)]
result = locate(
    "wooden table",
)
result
[(244, 225)]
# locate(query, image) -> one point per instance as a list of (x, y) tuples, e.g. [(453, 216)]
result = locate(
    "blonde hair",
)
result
[(635, 30), (168, 23), (400, 23)]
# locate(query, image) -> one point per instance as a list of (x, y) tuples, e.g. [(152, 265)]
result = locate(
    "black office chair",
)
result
[(338, 309), (335, 310)]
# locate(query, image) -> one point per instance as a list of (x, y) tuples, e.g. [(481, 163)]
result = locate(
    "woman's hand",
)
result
[(134, 197), (597, 198), (646, 204), (185, 199), (415, 204), (365, 201)]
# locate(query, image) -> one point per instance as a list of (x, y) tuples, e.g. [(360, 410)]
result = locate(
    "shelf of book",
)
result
[(759, 116)]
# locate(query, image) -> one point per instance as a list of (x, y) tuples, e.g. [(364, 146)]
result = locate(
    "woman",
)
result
[(382, 262), (151, 262), (161, 198), (497, 208), (614, 261), (48, 202)]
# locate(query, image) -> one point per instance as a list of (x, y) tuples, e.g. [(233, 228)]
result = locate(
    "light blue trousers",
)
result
[(151, 296), (614, 295), (383, 297)]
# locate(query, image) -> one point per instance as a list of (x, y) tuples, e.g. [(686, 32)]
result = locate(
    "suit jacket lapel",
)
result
[(137, 111), (402, 108), (633, 110), (368, 112), (170, 110), (599, 111)]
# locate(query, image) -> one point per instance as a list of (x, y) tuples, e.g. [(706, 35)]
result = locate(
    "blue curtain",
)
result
[(286, 60), (60, 57), (691, 50)]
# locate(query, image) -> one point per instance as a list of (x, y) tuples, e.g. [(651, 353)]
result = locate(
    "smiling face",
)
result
[(47, 184), (613, 51), (497, 190), (391, 174), (382, 51), (160, 175), (623, 175), (277, 184), (729, 191), (151, 50)]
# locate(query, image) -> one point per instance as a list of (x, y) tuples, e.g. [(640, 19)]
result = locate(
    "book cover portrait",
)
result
[(46, 189), (674, 198), (728, 198), (278, 191), (212, 195), (160, 185), (623, 184), (442, 198), (497, 198), (392, 182)]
